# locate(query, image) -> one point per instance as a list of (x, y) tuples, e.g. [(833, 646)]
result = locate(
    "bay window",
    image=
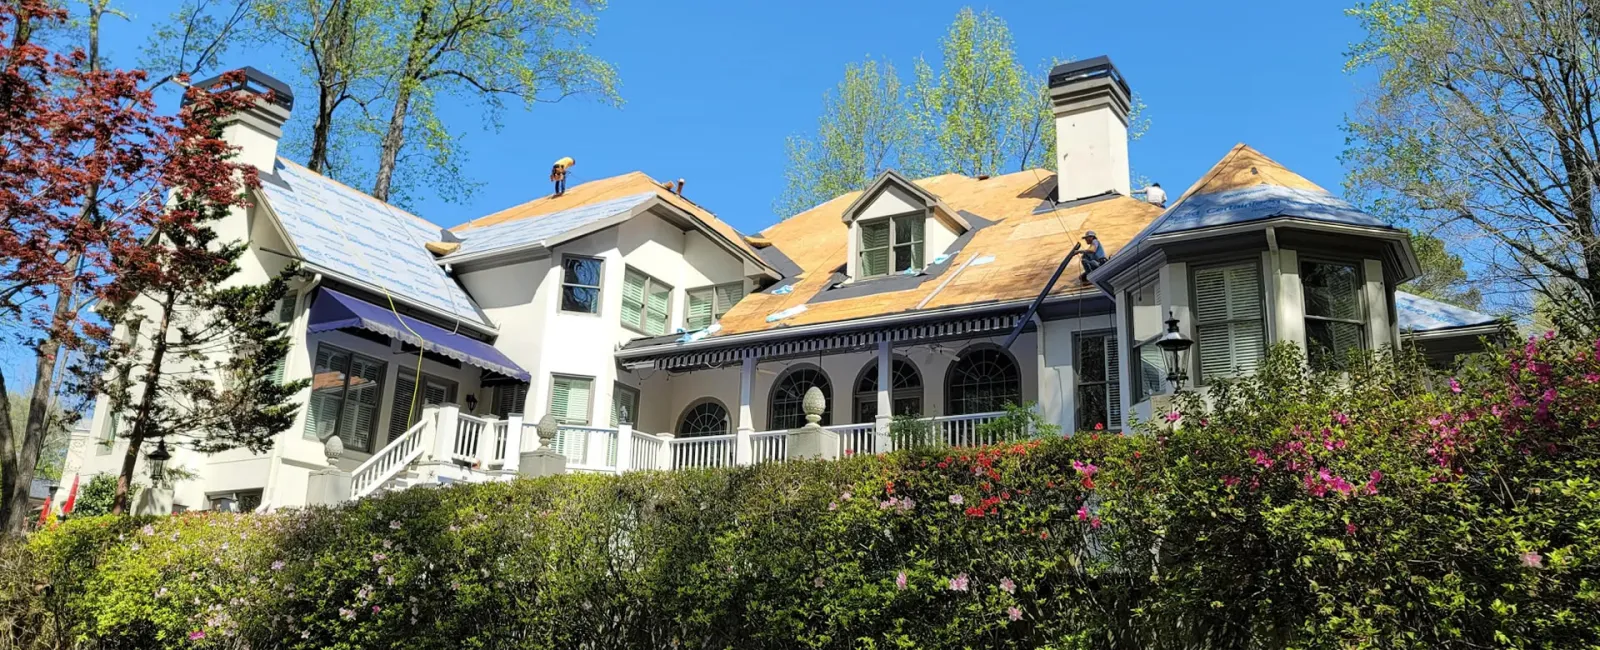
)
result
[(1335, 317), (346, 389), (1230, 327)]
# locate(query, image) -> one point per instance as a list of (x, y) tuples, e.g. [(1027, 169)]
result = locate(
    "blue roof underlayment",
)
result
[(1259, 202), (525, 232), (361, 238), (1419, 314)]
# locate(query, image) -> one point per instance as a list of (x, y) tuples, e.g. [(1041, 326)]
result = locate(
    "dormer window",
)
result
[(891, 245)]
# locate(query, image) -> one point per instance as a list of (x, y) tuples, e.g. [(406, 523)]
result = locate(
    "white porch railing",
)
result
[(769, 446), (390, 461), (469, 434), (857, 438), (649, 451), (704, 451), (967, 430), (498, 429)]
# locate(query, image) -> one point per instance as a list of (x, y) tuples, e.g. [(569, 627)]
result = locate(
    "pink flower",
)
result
[(1455, 386), (1342, 419), (197, 635), (845, 497), (1008, 586), (959, 583), (376, 609), (957, 499), (1094, 523), (1592, 378), (900, 581), (1014, 613), (1350, 529), (833, 506), (1173, 416), (347, 614), (379, 557), (1533, 560), (1083, 513), (1086, 469), (149, 530), (1230, 481)]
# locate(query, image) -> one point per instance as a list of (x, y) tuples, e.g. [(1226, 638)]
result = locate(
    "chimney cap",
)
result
[(254, 81), (1076, 71)]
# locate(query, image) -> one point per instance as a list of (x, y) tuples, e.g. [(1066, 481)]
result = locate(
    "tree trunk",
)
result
[(395, 137), (141, 422), (331, 83), (19, 478), (318, 162)]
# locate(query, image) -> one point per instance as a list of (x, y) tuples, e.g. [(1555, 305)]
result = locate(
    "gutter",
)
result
[(1453, 332)]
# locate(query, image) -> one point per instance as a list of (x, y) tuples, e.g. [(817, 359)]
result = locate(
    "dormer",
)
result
[(896, 228)]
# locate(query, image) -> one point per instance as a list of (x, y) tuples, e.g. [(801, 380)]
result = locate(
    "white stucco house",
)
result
[(660, 337)]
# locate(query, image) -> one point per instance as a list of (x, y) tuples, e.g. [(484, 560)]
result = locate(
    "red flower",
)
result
[(1098, 426), (1044, 535)]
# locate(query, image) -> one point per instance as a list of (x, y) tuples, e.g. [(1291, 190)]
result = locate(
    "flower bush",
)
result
[(1380, 507)]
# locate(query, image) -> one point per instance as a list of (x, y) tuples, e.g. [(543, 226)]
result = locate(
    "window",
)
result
[(890, 245), (624, 405), (1334, 323), (982, 380), (785, 410), (1230, 334), (1146, 325), (405, 407), (707, 417), (580, 284), (110, 439), (508, 399), (646, 303), (237, 501), (569, 399), (905, 392), (1099, 382), (346, 389), (706, 305)]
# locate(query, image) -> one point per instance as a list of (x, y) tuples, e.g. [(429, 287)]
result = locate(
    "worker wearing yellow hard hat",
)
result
[(558, 174)]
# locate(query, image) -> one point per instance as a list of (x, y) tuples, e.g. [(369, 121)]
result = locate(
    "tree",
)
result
[(201, 371), (1485, 125), (96, 497), (979, 112), (53, 450), (1444, 276), (486, 50)]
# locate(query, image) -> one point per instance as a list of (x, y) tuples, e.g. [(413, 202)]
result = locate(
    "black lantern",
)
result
[(158, 463), (1175, 347), (472, 403)]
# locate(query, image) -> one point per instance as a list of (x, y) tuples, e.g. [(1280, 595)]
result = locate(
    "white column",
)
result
[(486, 442), (664, 459), (597, 444), (513, 457), (1377, 304), (880, 441), (743, 452), (624, 447), (1290, 310), (444, 436)]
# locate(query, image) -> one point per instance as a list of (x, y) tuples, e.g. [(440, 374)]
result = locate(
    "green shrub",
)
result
[(1288, 510)]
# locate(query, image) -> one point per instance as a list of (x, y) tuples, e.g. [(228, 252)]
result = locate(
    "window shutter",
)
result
[(509, 399), (435, 393), (624, 398), (275, 373), (658, 309), (400, 407), (286, 309), (569, 400), (560, 397), (1232, 337), (633, 299), (874, 249), (699, 313), (728, 295), (1249, 336), (324, 404), (1113, 383)]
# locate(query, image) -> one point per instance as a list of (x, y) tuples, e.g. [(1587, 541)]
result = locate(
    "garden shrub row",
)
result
[(1377, 508)]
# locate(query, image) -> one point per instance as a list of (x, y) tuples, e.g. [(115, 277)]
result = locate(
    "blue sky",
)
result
[(711, 89)]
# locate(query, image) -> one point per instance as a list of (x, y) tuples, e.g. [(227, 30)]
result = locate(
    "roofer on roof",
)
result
[(558, 174), (1094, 257)]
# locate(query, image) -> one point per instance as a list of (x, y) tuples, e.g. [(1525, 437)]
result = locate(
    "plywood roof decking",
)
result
[(597, 191), (1025, 247)]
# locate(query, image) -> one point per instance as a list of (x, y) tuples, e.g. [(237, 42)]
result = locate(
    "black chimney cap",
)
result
[(254, 81), (1099, 66)]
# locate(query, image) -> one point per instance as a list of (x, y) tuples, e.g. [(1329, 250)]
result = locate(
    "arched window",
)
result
[(981, 380), (784, 411), (905, 390), (706, 417)]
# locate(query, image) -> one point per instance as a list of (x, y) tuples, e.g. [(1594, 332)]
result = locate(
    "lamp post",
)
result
[(1175, 347), (158, 463)]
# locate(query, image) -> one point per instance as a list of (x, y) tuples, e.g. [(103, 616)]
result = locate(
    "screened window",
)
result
[(508, 399), (1334, 314), (1099, 382), (1146, 324), (346, 393), (580, 284), (705, 418), (905, 390), (624, 405), (785, 410), (1230, 331), (646, 303), (406, 405), (707, 304), (891, 245), (569, 399), (983, 380)]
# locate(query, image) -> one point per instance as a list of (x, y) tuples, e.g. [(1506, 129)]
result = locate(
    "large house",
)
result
[(660, 337)]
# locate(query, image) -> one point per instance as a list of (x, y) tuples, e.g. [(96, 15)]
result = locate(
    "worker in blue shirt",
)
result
[(1094, 257)]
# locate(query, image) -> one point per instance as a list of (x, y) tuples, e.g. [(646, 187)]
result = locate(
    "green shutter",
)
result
[(569, 400), (633, 299), (324, 404), (1113, 383), (728, 295), (658, 309), (874, 249), (286, 308), (699, 312)]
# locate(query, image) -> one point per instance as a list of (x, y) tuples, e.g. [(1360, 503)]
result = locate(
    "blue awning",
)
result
[(333, 310)]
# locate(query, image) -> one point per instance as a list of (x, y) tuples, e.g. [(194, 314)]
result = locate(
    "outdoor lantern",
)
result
[(158, 463), (472, 403), (1175, 347)]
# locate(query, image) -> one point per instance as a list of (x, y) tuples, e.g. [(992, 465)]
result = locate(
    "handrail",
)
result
[(469, 430), (388, 462), (704, 451)]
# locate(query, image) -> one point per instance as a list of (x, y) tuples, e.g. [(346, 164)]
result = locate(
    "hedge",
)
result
[(1380, 507)]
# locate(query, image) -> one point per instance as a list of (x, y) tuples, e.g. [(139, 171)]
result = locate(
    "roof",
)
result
[(518, 233), (1248, 186), (1418, 314), (358, 238), (602, 191), (1010, 258)]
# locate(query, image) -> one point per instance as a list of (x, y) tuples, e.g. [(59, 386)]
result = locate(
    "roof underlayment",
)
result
[(1418, 314)]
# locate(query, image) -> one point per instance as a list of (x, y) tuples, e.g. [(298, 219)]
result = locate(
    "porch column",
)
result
[(444, 439), (880, 441), (487, 442), (743, 451), (512, 460), (624, 447)]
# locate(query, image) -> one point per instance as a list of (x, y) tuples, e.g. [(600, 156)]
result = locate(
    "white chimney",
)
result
[(1090, 100), (256, 130)]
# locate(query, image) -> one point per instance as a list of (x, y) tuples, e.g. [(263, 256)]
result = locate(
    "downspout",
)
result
[(301, 316)]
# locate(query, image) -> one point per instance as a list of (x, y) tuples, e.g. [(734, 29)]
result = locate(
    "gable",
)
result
[(890, 201)]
